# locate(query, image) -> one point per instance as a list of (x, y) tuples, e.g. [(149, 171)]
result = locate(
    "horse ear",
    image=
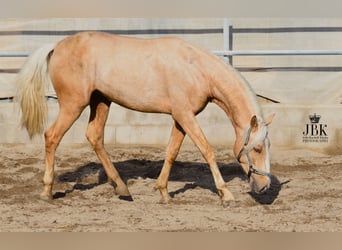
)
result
[(269, 119), (254, 123)]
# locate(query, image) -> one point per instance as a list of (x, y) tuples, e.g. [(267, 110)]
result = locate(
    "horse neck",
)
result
[(235, 96)]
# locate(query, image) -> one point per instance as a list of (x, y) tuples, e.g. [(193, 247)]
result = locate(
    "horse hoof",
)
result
[(122, 191), (228, 203), (45, 197), (126, 197), (225, 204), (165, 201)]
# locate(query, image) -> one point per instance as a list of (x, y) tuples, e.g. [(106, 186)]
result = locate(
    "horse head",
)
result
[(252, 152)]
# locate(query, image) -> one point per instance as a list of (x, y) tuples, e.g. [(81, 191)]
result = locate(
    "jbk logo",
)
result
[(315, 131)]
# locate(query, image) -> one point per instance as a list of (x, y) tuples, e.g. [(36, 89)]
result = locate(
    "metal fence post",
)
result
[(226, 40)]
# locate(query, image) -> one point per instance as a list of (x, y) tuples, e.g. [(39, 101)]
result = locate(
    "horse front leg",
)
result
[(191, 127), (176, 139)]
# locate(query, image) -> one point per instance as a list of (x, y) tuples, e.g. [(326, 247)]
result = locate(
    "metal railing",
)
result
[(14, 54), (227, 51), (275, 52), (231, 53)]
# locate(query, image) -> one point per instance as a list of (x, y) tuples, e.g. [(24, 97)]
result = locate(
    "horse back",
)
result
[(142, 74)]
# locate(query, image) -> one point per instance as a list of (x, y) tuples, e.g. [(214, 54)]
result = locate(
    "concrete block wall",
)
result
[(127, 127)]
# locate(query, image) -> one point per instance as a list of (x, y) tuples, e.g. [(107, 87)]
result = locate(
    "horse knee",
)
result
[(50, 140), (91, 140), (94, 140)]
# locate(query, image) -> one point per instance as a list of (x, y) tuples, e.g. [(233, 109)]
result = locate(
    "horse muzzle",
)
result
[(260, 184)]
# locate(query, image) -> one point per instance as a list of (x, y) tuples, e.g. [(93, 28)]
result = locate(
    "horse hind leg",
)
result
[(53, 135), (99, 109)]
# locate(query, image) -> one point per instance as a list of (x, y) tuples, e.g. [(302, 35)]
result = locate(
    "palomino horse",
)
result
[(164, 75)]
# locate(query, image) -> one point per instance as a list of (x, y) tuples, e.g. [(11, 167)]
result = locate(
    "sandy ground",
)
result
[(306, 192)]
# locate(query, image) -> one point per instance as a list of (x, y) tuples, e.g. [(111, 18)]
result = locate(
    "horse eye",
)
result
[(258, 149)]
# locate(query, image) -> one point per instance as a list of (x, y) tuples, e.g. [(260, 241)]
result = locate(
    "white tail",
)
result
[(31, 82)]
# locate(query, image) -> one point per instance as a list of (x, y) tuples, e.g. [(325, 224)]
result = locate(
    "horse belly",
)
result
[(139, 97)]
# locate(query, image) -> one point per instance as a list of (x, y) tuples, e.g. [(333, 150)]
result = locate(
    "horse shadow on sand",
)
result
[(194, 174)]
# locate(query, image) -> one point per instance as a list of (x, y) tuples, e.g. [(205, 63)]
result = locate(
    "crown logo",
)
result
[(314, 118)]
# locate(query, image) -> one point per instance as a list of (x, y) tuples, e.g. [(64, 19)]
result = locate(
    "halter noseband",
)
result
[(245, 150)]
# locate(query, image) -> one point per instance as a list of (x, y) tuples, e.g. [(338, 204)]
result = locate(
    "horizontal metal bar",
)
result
[(14, 54), (231, 53), (198, 31), (293, 69), (275, 52)]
